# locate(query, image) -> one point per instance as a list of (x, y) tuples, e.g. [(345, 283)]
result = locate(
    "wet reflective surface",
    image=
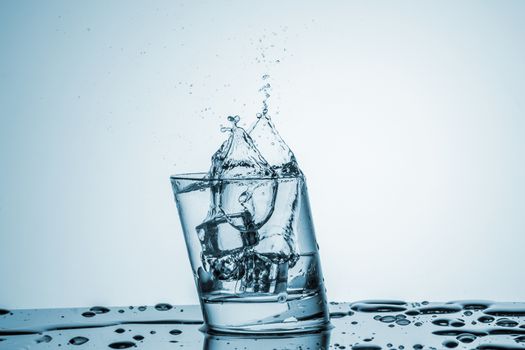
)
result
[(370, 324)]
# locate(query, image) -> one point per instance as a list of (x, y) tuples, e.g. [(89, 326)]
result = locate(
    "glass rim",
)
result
[(202, 177)]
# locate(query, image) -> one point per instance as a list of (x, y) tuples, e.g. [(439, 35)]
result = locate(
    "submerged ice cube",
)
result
[(262, 275), (217, 235), (223, 247), (277, 238), (228, 266), (254, 199), (276, 248)]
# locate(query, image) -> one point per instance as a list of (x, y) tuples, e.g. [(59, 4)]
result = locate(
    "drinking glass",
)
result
[(253, 253)]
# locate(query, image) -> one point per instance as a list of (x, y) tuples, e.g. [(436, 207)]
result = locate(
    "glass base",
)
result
[(258, 315)]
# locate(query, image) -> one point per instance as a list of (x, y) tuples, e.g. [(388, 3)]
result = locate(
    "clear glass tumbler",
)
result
[(253, 253)]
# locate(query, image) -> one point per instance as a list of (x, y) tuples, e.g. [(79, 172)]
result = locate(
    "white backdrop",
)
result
[(406, 117)]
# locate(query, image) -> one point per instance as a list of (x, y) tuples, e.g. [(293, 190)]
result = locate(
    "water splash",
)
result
[(238, 157), (260, 152), (269, 142)]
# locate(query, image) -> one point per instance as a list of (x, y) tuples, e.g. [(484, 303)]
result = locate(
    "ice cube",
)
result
[(224, 247), (218, 235), (276, 248), (253, 199), (228, 266), (259, 274)]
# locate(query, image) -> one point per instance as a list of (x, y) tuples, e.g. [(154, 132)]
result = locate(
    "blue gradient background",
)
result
[(407, 118)]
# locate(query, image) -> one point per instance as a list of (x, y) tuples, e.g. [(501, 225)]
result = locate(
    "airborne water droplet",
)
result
[(234, 119)]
